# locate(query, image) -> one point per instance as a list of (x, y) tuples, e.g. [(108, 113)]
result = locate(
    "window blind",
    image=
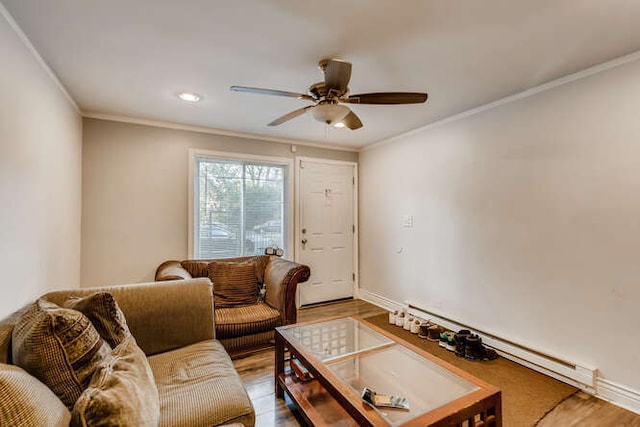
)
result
[(240, 207)]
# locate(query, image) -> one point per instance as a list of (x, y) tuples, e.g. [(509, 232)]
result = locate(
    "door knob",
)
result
[(304, 242)]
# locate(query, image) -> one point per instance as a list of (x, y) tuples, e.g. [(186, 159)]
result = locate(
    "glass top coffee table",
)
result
[(346, 354)]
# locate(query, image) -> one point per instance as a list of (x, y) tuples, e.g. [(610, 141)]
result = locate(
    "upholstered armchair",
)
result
[(245, 317)]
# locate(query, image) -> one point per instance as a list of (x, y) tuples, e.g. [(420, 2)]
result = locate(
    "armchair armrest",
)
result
[(171, 270), (162, 316), (281, 278)]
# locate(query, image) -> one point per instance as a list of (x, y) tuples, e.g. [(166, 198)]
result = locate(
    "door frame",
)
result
[(298, 216)]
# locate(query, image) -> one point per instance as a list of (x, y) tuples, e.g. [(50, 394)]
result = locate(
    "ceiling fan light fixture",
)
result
[(339, 125), (330, 113), (189, 96)]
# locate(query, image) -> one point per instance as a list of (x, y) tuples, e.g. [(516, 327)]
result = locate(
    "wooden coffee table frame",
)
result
[(336, 399)]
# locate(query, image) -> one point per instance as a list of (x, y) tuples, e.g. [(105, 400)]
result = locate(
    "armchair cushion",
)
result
[(234, 283), (102, 310), (246, 320), (58, 346)]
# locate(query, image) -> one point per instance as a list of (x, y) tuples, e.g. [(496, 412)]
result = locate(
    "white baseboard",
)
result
[(378, 300), (585, 378), (619, 395)]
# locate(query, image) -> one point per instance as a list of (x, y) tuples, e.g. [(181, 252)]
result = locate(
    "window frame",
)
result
[(289, 208)]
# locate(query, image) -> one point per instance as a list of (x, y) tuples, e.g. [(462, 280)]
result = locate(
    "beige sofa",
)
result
[(173, 324), (246, 327)]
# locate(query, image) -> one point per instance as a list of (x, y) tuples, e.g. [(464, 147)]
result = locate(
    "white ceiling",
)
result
[(131, 57)]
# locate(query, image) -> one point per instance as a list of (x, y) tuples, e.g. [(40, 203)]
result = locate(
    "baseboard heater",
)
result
[(583, 377)]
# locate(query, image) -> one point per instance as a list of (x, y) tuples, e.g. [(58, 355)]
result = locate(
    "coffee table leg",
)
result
[(279, 368)]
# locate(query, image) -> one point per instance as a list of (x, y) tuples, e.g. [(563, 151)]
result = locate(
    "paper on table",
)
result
[(384, 400)]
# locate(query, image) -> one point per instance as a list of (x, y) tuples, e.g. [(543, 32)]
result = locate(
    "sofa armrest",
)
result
[(171, 270), (162, 316), (281, 278)]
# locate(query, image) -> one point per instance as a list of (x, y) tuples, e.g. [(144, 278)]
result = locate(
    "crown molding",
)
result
[(45, 67), (596, 69), (211, 131)]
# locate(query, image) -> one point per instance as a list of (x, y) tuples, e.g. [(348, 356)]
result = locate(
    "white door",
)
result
[(326, 229)]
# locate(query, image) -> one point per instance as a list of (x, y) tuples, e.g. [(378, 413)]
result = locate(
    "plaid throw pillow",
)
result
[(102, 310), (122, 392), (58, 346), (234, 283)]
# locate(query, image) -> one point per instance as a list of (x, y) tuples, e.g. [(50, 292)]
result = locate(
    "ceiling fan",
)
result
[(327, 97)]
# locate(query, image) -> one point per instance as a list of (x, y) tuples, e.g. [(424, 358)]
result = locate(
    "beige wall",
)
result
[(135, 194), (527, 221), (40, 155)]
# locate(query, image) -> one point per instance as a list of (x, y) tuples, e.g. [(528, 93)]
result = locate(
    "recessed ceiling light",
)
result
[(339, 125), (189, 97)]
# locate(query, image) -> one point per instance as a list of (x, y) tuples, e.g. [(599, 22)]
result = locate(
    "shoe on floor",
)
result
[(400, 319), (443, 339), (415, 326), (392, 317), (434, 333), (407, 323), (451, 341), (475, 350), (424, 329), (461, 341)]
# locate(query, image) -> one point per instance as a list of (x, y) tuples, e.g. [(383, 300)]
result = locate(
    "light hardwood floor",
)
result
[(584, 410), (256, 372)]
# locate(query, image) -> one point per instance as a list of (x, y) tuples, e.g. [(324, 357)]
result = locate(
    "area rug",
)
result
[(526, 394)]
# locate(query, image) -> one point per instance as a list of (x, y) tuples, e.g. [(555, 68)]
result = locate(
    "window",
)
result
[(240, 206)]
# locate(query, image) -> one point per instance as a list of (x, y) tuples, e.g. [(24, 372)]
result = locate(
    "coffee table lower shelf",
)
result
[(317, 406)]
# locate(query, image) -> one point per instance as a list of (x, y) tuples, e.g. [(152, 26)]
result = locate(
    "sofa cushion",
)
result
[(58, 346), (25, 401), (122, 391), (102, 310), (203, 372), (234, 283), (245, 320)]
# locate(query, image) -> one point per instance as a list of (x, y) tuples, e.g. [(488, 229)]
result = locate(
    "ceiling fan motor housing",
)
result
[(318, 90)]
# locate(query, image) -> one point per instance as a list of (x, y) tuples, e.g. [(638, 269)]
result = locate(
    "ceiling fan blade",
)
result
[(337, 74), (271, 92), (352, 121), (387, 98), (289, 116)]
